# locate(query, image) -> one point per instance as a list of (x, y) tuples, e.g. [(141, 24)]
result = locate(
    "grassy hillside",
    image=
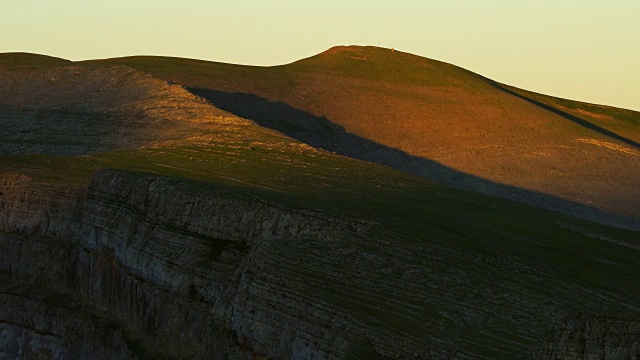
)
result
[(27, 60), (432, 119), (485, 274)]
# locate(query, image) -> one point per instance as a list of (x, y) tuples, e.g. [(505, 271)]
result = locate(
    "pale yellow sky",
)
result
[(583, 50)]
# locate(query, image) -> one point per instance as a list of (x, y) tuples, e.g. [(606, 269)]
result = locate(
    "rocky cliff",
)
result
[(147, 266), (586, 337)]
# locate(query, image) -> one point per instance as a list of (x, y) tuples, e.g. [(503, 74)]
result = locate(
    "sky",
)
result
[(583, 50)]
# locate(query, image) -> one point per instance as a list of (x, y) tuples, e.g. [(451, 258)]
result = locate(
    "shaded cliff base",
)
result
[(590, 337), (38, 324)]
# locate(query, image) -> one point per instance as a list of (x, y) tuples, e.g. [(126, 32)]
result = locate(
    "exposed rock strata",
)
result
[(43, 326), (586, 338), (157, 267)]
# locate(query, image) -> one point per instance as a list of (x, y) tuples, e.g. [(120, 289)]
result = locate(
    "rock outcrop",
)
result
[(585, 338), (140, 266)]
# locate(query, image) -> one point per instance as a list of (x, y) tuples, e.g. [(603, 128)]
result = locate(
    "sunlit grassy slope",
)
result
[(485, 274), (380, 101)]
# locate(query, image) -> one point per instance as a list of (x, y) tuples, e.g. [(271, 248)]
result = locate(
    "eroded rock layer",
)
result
[(144, 266), (586, 337)]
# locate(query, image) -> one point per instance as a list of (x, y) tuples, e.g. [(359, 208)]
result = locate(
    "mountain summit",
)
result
[(435, 120)]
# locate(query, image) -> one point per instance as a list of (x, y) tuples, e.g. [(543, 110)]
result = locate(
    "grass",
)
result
[(431, 110), (436, 262)]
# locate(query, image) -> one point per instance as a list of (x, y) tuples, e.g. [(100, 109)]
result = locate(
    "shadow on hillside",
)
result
[(321, 133), (568, 116)]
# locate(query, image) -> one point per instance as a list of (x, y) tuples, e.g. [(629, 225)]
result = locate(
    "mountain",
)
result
[(142, 218), (438, 121)]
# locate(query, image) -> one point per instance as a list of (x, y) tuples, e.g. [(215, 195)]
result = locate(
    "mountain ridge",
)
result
[(435, 113)]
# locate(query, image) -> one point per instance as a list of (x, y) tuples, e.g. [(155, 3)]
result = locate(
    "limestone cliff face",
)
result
[(38, 325), (591, 338), (139, 266)]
